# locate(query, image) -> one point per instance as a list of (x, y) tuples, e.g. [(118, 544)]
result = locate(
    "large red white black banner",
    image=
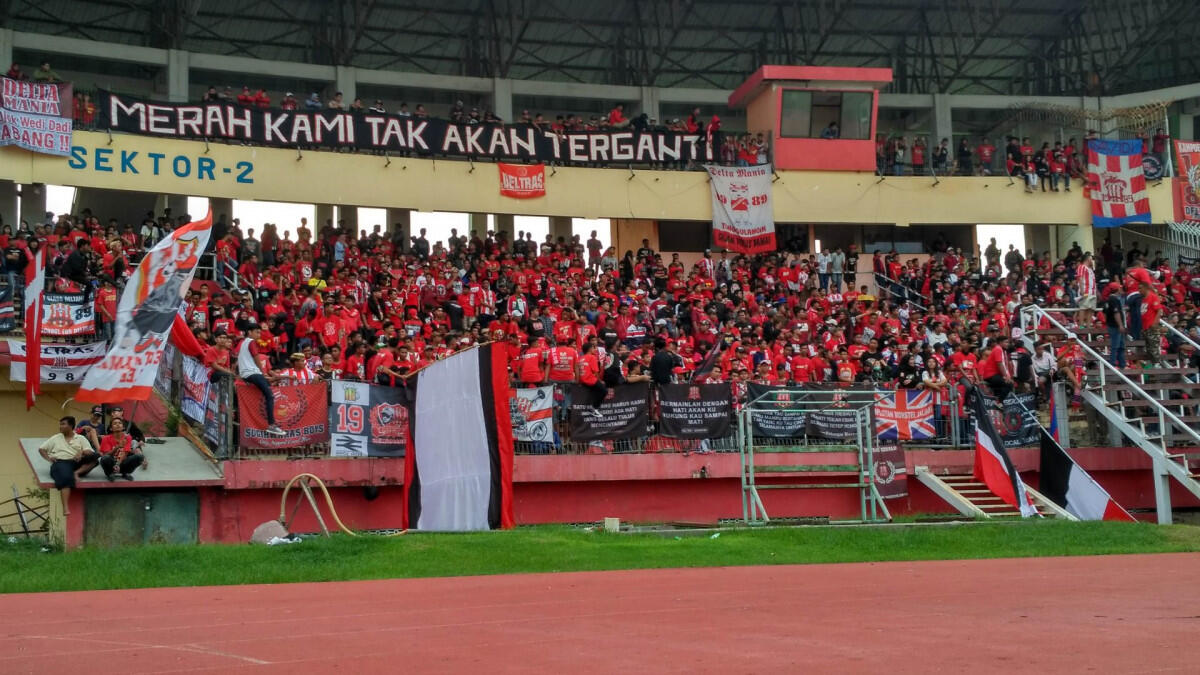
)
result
[(742, 212), (145, 314)]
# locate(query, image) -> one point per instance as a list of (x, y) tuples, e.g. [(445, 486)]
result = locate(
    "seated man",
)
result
[(117, 452), (69, 457), (131, 427), (93, 428)]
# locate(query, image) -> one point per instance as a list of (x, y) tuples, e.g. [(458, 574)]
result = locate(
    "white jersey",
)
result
[(246, 365)]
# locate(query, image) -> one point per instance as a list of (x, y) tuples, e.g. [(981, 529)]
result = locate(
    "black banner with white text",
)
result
[(375, 131), (695, 410), (624, 413)]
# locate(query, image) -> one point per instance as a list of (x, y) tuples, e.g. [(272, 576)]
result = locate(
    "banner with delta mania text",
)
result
[(743, 218), (36, 116), (374, 131)]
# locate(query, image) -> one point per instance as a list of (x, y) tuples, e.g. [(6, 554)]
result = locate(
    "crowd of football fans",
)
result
[(377, 308)]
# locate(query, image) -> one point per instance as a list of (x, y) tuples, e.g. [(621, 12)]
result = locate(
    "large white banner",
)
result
[(61, 364), (743, 216), (145, 314), (39, 133), (533, 414)]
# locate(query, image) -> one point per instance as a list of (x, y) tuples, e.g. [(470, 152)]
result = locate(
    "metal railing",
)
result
[(900, 292)]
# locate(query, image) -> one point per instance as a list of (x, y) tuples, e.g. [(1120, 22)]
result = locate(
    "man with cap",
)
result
[(1114, 321), (93, 428), (248, 370)]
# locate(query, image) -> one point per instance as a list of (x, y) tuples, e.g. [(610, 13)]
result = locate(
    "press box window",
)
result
[(805, 114)]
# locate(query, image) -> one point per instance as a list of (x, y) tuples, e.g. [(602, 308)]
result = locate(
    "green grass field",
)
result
[(23, 568)]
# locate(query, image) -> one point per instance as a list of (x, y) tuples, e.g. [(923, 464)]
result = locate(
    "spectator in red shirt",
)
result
[(616, 117)]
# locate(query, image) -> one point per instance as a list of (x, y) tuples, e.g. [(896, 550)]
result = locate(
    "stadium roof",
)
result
[(1023, 47)]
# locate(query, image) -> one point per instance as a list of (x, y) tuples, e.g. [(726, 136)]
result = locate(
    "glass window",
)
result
[(795, 114), (856, 115), (809, 114)]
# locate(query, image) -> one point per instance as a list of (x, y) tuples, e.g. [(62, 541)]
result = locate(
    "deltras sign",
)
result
[(423, 136)]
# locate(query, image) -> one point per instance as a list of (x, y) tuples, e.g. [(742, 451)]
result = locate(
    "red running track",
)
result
[(1111, 614)]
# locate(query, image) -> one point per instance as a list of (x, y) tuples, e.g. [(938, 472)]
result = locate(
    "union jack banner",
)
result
[(906, 415), (1117, 183)]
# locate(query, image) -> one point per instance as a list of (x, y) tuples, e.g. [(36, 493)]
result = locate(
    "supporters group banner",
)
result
[(1187, 184), (522, 181), (145, 313), (301, 410), (60, 364), (373, 131), (743, 216), (36, 116), (1011, 422), (66, 314), (8, 313), (1117, 182), (194, 390), (367, 420)]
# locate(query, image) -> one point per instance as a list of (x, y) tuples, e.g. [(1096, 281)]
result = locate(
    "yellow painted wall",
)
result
[(41, 421), (428, 185)]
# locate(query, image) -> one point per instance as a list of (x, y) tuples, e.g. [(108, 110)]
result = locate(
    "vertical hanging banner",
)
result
[(194, 387), (1186, 185), (8, 314), (145, 314), (522, 181), (1117, 183), (743, 215), (890, 471)]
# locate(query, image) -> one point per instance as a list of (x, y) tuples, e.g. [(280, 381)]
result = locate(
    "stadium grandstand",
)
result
[(659, 280), (828, 232)]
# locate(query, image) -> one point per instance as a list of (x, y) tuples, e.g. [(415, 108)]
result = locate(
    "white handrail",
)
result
[(1180, 333), (1035, 311)]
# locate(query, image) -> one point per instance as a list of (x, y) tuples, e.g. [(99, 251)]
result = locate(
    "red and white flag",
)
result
[(60, 364), (35, 289), (522, 181), (1065, 483), (1117, 183), (148, 309), (743, 216)]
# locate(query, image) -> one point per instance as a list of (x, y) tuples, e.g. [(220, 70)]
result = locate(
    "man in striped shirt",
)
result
[(299, 372), (1085, 276)]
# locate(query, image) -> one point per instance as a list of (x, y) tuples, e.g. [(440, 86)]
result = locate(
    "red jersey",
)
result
[(562, 364)]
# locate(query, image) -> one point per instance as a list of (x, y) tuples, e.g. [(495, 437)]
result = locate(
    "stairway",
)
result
[(973, 498), (1154, 408)]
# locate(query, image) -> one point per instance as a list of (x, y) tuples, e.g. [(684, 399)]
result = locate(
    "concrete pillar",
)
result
[(177, 76), (346, 81), (220, 206), (33, 203), (178, 205), (650, 102), (349, 215), (504, 223), (560, 226), (6, 46), (502, 96), (324, 217), (479, 225), (942, 121), (8, 203), (399, 221)]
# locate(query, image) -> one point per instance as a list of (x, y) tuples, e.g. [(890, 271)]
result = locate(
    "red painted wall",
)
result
[(588, 488)]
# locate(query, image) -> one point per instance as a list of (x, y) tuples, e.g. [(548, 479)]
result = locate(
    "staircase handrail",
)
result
[(1180, 333), (1036, 311)]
